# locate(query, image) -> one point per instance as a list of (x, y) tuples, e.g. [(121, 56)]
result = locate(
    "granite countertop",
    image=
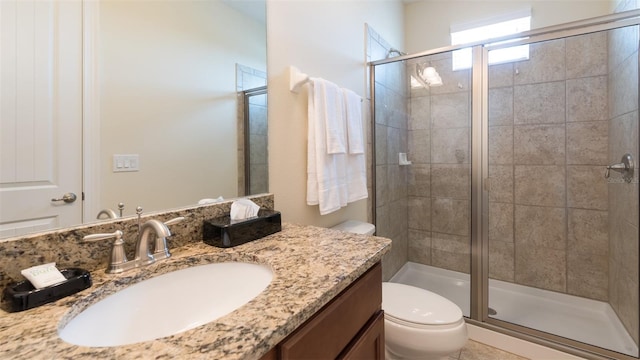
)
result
[(311, 266)]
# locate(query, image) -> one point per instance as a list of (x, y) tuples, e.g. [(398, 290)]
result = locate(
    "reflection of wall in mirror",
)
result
[(168, 94)]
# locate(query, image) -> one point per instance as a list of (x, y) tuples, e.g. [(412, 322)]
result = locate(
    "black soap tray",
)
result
[(23, 296), (222, 232)]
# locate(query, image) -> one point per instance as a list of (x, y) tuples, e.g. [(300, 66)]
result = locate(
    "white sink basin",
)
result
[(167, 304)]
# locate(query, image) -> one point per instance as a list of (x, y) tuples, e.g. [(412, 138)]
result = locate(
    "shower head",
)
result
[(427, 76), (395, 51)]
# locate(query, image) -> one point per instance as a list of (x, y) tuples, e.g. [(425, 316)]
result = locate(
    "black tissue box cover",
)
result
[(222, 233), (22, 296)]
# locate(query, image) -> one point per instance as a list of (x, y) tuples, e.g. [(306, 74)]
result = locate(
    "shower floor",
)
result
[(589, 321)]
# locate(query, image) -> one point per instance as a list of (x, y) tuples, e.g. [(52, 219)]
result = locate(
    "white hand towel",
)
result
[(326, 173), (353, 114), (334, 117)]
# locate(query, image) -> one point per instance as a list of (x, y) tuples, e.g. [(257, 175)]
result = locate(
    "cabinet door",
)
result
[(332, 329), (369, 345)]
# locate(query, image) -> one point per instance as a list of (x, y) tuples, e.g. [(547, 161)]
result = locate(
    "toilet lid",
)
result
[(419, 306)]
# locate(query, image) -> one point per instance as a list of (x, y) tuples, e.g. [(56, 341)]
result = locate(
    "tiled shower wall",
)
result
[(623, 197), (440, 175), (390, 139), (548, 139), (547, 151)]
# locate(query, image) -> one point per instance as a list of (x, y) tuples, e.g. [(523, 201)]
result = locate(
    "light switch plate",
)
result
[(126, 162)]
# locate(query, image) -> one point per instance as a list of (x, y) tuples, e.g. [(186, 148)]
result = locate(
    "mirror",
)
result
[(170, 83)]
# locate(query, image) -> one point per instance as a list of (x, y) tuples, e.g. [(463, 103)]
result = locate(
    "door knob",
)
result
[(68, 198)]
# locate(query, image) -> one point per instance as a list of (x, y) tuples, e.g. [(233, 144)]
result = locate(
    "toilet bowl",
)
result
[(419, 324)]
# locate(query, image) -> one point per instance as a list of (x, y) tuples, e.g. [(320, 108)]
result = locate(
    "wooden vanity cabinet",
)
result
[(351, 326)]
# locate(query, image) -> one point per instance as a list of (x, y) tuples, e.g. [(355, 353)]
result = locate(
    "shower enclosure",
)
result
[(519, 200)]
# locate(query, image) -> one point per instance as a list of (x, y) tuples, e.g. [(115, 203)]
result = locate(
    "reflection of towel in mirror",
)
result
[(356, 163), (326, 173)]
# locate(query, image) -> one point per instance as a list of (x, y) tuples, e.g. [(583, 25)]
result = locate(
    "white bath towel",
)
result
[(356, 162), (334, 117), (326, 173), (353, 115)]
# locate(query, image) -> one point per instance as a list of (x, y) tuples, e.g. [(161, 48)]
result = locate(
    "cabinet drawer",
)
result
[(327, 333)]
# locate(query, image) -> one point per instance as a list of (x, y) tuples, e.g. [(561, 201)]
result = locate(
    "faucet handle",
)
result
[(95, 237), (174, 220), (118, 257)]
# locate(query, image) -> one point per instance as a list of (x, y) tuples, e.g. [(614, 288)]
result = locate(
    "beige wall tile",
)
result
[(587, 55), (419, 151), (541, 267), (451, 181), (588, 231), (588, 275), (451, 110), (621, 44), (501, 218), (419, 180), (539, 144), (501, 106), (393, 260), (501, 75), (382, 192), (420, 247), (381, 144), (396, 182), (383, 227), (546, 63), (420, 113), (501, 177), (450, 216), (587, 143), (623, 134), (540, 185), (587, 99), (542, 103), (451, 252), (393, 144), (587, 187), (450, 146), (398, 219), (501, 260), (540, 227), (500, 145), (419, 213), (623, 91)]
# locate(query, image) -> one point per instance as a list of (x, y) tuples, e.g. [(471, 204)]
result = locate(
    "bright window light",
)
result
[(462, 58)]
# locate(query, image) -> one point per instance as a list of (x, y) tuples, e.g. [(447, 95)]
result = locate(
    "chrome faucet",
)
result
[(143, 252), (151, 245)]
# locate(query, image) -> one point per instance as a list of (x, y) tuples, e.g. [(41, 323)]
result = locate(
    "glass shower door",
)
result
[(562, 237)]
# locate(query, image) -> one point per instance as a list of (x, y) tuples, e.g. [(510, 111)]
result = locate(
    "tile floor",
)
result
[(478, 351)]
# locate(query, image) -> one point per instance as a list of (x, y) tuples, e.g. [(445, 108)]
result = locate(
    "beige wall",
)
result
[(427, 23), (323, 39), (168, 94)]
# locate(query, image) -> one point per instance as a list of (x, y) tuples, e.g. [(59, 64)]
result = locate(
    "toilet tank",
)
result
[(356, 227)]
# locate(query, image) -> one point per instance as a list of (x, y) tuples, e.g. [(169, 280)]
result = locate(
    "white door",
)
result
[(40, 114)]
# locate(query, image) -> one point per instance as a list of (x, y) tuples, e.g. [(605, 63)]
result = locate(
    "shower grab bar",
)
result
[(625, 167)]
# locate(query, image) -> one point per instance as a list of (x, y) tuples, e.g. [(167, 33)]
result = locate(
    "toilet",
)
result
[(356, 227), (418, 324)]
